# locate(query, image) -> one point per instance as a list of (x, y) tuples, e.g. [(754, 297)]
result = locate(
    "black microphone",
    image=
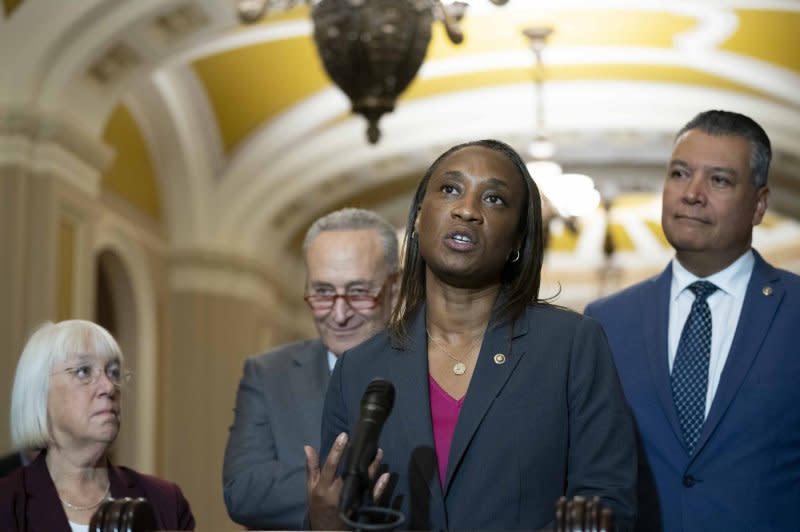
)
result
[(376, 405)]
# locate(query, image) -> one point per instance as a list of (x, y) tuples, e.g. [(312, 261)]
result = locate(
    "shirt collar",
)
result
[(732, 280), (332, 360)]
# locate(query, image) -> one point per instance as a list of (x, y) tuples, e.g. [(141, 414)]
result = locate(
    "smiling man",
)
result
[(352, 261), (707, 350)]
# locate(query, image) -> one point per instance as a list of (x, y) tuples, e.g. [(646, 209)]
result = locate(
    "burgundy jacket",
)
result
[(29, 501)]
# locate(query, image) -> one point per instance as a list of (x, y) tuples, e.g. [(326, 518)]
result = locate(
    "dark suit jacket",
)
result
[(278, 410), (549, 421), (745, 473), (29, 501), (9, 463)]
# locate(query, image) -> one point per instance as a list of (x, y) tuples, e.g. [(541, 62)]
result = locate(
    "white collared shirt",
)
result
[(332, 361), (725, 305)]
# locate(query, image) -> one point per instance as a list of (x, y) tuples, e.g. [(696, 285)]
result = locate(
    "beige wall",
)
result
[(32, 206), (210, 337), (13, 200)]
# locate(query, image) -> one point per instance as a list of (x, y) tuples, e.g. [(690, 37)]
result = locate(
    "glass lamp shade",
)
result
[(541, 147), (572, 195)]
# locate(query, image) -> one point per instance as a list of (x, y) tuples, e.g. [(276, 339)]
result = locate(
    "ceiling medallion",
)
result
[(372, 49)]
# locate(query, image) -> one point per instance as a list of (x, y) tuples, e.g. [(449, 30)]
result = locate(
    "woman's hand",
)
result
[(324, 488)]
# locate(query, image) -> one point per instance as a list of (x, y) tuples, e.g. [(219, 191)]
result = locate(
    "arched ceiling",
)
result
[(602, 42), (249, 141)]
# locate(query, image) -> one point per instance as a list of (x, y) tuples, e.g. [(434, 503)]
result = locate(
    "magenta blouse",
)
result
[(444, 414)]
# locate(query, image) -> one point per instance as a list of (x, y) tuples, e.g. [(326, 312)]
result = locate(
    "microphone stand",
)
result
[(367, 517)]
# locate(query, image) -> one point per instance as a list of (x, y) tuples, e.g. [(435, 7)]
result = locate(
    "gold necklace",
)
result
[(77, 508), (459, 368)]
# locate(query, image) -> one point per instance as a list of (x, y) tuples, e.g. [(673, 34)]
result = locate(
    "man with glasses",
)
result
[(352, 262)]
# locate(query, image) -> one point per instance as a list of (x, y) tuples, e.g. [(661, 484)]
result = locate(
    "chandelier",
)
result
[(371, 49), (571, 195)]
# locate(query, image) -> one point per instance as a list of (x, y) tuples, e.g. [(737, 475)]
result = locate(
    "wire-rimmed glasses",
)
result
[(86, 374)]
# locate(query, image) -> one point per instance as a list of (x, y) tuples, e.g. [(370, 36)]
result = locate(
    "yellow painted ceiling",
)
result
[(619, 237), (668, 74), (251, 85), (772, 36), (247, 86), (562, 240), (131, 175), (658, 232), (573, 27)]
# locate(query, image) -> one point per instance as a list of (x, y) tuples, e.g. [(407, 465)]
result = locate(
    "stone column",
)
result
[(49, 183), (222, 310)]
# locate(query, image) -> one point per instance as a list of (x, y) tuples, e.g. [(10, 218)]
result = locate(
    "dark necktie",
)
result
[(690, 370)]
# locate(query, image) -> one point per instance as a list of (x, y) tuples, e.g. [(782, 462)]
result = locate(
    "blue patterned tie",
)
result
[(690, 370)]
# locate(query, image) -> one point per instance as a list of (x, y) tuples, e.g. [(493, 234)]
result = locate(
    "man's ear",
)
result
[(762, 202)]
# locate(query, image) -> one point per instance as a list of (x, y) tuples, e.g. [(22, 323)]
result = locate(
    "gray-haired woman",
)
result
[(66, 402)]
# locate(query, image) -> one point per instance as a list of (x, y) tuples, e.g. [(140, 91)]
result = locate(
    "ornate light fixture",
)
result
[(571, 195), (371, 49)]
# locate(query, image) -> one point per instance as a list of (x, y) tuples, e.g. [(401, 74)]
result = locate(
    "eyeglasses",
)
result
[(86, 374), (357, 299)]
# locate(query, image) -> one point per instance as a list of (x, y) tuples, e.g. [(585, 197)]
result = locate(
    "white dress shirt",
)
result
[(725, 305), (332, 361)]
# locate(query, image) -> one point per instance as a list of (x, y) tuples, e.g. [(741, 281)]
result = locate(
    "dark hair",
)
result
[(520, 280), (729, 123)]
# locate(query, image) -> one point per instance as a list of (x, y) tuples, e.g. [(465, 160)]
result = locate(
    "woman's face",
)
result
[(82, 412), (468, 220)]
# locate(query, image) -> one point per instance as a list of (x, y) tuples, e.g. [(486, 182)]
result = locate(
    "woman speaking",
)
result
[(503, 402), (66, 403)]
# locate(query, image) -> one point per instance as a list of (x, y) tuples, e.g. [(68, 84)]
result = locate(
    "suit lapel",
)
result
[(655, 307), (315, 372), (410, 376), (306, 384), (44, 511), (487, 381), (122, 484), (758, 311), (310, 375)]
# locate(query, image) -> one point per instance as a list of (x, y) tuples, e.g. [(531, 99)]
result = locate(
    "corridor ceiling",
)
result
[(245, 140)]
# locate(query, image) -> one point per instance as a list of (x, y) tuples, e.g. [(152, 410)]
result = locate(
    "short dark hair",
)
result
[(718, 123), (521, 279)]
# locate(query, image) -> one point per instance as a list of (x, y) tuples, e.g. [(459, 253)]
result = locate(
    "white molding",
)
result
[(426, 126), (246, 36), (52, 144), (224, 280)]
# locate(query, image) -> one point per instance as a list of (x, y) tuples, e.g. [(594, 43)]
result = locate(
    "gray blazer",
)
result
[(278, 410)]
